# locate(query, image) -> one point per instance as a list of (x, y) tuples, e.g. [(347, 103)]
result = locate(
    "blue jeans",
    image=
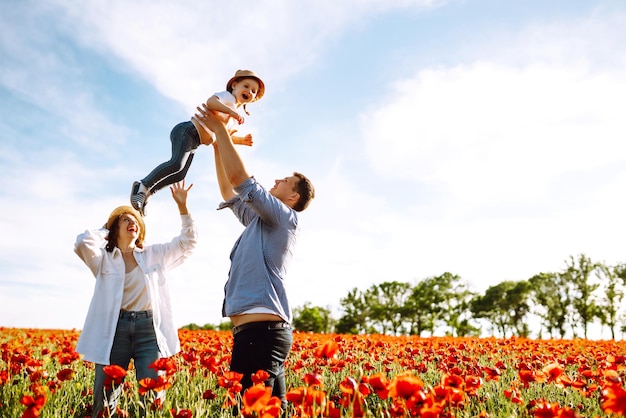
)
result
[(134, 339), (185, 139), (260, 346)]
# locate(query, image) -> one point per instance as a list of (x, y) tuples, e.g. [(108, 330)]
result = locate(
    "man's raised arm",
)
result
[(234, 169)]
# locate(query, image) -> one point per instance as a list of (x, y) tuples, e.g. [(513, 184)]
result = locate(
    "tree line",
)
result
[(563, 304)]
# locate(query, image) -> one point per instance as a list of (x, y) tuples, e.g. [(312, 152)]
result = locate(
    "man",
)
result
[(255, 296)]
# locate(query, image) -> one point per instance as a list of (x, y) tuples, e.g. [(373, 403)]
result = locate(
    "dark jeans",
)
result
[(260, 347), (134, 339), (185, 139)]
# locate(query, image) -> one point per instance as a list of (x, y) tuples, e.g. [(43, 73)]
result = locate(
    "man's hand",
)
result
[(231, 171), (209, 119)]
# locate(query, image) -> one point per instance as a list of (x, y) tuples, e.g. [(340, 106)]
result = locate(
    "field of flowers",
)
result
[(332, 376)]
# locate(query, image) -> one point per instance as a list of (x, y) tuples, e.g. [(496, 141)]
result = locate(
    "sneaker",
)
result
[(138, 199)]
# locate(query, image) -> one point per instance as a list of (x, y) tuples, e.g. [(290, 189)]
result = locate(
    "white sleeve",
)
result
[(227, 98)]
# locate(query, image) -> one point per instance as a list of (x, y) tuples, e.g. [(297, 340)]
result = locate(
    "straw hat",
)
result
[(121, 210), (248, 74)]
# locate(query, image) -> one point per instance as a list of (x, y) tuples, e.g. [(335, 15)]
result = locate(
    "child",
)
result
[(243, 88)]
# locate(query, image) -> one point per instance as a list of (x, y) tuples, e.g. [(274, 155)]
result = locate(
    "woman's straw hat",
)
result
[(121, 210)]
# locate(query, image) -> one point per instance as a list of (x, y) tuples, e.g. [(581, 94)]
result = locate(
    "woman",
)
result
[(130, 315)]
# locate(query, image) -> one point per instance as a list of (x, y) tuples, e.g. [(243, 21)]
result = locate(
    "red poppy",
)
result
[(181, 413), (255, 399), (379, 384), (514, 395), (209, 395), (614, 399), (314, 401), (189, 356), (260, 376), (273, 408), (527, 377), (348, 385), (114, 375), (122, 413), (168, 365), (612, 377), (472, 384), (353, 396), (553, 371), (231, 381), (156, 385), (405, 386), (296, 396), (327, 350), (65, 374), (211, 362), (333, 411), (313, 379), (33, 404), (545, 409), (157, 404), (492, 373)]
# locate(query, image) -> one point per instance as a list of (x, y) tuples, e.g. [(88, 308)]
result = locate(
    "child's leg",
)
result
[(138, 197), (185, 139), (174, 177)]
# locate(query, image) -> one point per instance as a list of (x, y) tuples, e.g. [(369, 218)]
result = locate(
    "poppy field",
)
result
[(330, 376)]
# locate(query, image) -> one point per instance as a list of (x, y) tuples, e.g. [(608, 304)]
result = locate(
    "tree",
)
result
[(610, 301), (225, 326), (487, 307), (519, 308), (196, 327), (454, 299), (356, 313), (421, 308), (552, 302), (386, 303), (578, 273), (312, 319), (505, 305)]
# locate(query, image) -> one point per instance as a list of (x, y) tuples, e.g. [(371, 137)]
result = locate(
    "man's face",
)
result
[(284, 190)]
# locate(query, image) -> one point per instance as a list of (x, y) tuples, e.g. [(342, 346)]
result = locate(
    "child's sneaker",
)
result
[(138, 199)]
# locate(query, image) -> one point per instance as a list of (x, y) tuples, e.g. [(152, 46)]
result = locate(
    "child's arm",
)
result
[(216, 105), (207, 139), (241, 140)]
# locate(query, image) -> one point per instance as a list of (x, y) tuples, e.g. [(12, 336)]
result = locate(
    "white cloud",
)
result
[(488, 132), (199, 42)]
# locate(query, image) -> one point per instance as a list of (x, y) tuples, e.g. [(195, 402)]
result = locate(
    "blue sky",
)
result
[(483, 138)]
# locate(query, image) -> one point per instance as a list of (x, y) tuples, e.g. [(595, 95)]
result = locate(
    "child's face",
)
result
[(245, 90)]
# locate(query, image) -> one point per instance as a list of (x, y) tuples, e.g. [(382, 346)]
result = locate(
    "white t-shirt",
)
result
[(135, 297), (229, 100)]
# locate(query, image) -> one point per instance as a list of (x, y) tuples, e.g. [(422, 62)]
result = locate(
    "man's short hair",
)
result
[(306, 191)]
